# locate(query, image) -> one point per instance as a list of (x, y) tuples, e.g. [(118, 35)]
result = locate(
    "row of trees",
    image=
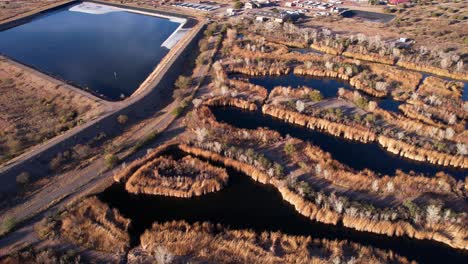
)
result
[(363, 44)]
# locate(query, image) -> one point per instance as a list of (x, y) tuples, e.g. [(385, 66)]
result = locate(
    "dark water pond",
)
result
[(370, 16), (354, 154), (111, 54), (388, 104), (245, 203), (327, 86)]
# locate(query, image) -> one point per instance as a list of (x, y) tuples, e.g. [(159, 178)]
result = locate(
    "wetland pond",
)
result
[(355, 154), (327, 86), (244, 203), (107, 50)]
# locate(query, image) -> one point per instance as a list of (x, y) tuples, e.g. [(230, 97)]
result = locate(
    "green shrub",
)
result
[(304, 166), (145, 141), (7, 225), (304, 188), (362, 102), (338, 113), (201, 60), (183, 82), (279, 170), (204, 45), (122, 119), (111, 160), (289, 149), (238, 5), (178, 111), (61, 158), (211, 29), (264, 162), (315, 96), (23, 178), (370, 118), (413, 208), (357, 117)]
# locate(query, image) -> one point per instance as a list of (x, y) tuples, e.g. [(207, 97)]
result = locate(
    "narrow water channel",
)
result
[(357, 155), (306, 51), (246, 204)]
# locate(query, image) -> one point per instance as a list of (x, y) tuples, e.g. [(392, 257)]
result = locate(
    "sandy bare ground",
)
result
[(35, 107), (12, 9)]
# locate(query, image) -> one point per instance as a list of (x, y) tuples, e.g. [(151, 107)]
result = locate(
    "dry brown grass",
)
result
[(204, 242), (440, 87), (186, 177), (94, 225), (309, 167), (35, 108)]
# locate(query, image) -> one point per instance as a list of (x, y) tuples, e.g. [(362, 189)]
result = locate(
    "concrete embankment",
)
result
[(154, 97)]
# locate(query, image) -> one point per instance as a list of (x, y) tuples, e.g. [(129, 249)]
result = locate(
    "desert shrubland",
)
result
[(34, 108)]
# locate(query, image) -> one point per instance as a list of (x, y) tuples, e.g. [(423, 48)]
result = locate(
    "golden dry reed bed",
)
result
[(452, 235), (208, 243), (359, 133), (366, 135), (244, 150), (185, 178), (95, 225), (230, 101)]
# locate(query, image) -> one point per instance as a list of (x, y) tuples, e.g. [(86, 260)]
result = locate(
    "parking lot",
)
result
[(201, 7)]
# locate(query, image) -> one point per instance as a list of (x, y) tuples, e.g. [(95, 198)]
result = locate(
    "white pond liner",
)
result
[(98, 9)]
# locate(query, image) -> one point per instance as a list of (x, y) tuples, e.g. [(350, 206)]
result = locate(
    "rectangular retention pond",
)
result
[(107, 50)]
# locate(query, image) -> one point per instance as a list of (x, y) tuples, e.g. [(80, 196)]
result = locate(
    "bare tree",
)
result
[(432, 212), (300, 106), (462, 149), (196, 102), (163, 256), (201, 133)]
